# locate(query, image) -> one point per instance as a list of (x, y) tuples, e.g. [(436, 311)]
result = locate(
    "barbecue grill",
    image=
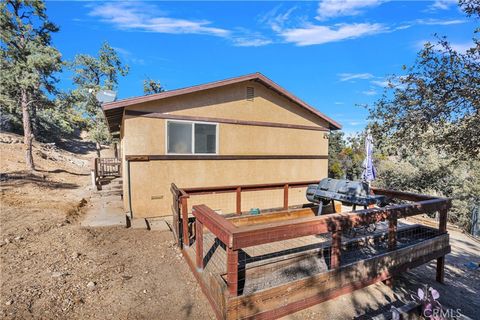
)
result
[(348, 192)]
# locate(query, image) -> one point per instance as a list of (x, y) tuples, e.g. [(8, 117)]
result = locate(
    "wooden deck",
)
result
[(273, 264)]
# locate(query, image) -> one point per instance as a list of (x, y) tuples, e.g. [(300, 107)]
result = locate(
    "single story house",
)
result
[(243, 130)]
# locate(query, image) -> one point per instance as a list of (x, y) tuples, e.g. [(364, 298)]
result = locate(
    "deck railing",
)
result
[(105, 168), (182, 195), (235, 238)]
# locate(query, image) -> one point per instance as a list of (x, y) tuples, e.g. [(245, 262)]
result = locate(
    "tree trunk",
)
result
[(27, 131), (34, 121), (98, 147)]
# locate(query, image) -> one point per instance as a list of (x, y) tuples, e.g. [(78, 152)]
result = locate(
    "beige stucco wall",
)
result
[(150, 181), (146, 136), (229, 102)]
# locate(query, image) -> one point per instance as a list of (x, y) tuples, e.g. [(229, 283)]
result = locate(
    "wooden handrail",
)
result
[(402, 195), (104, 167), (247, 236), (246, 187)]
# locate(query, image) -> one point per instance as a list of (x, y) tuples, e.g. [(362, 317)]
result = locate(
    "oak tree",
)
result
[(436, 103)]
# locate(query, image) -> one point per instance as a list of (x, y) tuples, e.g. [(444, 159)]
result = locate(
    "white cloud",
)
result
[(357, 123), (298, 30), (380, 83), (145, 17), (337, 8), (427, 22), (251, 42), (389, 82), (462, 47), (338, 103), (276, 20), (242, 37), (316, 34), (128, 56), (353, 76), (439, 22), (142, 16), (443, 4), (370, 92)]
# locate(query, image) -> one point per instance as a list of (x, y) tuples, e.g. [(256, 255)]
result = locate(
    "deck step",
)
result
[(157, 224), (107, 193), (112, 187), (137, 223)]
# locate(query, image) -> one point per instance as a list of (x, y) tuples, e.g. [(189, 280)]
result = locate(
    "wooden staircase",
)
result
[(111, 187)]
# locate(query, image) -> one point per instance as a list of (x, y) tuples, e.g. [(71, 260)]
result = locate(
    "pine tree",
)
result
[(151, 86), (93, 74), (28, 62)]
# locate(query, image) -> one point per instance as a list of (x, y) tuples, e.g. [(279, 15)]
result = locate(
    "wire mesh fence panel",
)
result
[(369, 240), (297, 196), (272, 264), (262, 199), (248, 201), (268, 265), (222, 203), (214, 255)]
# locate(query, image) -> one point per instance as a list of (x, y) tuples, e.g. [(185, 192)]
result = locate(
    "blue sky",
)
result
[(334, 55)]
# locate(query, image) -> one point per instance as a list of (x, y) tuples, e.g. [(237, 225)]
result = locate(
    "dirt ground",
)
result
[(48, 260), (53, 268)]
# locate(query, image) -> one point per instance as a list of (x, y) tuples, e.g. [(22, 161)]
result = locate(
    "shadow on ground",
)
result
[(19, 178)]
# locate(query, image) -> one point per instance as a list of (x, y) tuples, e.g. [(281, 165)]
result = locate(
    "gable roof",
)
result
[(114, 110)]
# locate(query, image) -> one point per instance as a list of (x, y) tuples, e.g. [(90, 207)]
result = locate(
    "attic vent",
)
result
[(250, 93)]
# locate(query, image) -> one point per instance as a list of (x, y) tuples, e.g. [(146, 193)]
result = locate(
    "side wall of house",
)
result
[(150, 180)]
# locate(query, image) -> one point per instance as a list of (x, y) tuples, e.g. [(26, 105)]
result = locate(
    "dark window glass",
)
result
[(205, 138)]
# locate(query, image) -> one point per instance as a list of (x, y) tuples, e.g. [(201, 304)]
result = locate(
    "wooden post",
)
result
[(392, 232), (100, 167), (335, 254), (442, 223), (232, 271), (199, 243), (186, 237), (441, 269), (442, 227), (95, 179), (239, 200), (96, 167), (285, 196)]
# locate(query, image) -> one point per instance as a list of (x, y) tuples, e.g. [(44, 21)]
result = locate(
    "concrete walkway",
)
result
[(104, 209)]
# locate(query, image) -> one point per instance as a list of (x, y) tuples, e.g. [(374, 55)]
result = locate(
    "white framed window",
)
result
[(189, 137)]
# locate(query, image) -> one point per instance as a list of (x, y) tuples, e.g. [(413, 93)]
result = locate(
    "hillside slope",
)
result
[(53, 268)]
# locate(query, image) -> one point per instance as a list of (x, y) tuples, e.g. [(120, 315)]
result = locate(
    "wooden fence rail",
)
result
[(105, 168)]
